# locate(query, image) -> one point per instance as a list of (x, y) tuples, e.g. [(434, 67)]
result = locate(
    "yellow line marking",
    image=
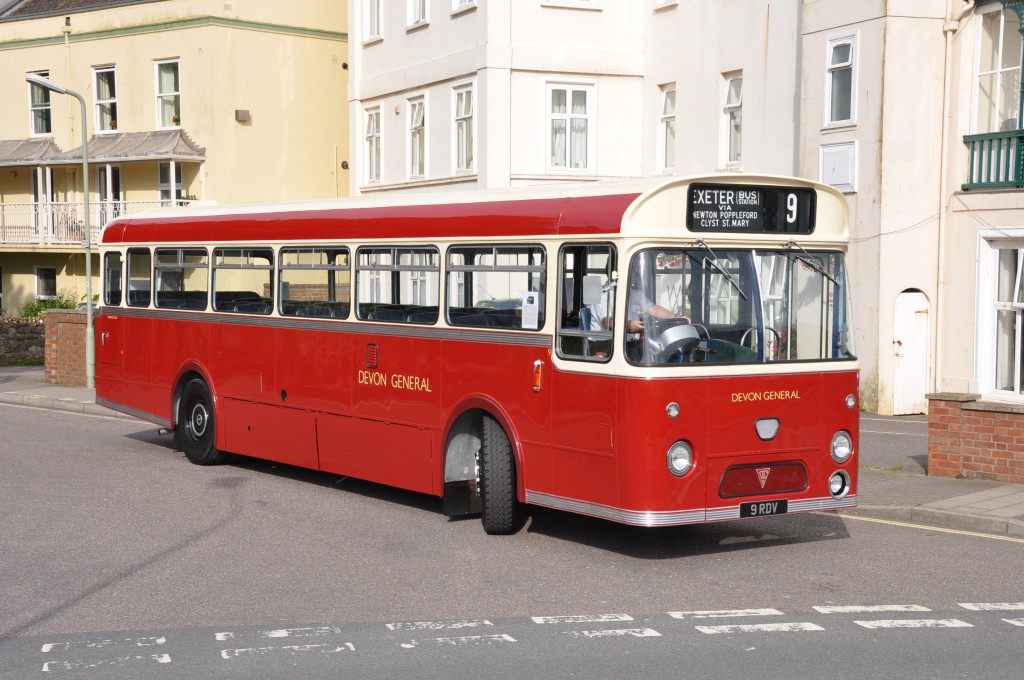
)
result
[(958, 532)]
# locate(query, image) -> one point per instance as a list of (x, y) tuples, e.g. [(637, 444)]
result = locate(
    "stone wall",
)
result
[(65, 347), (20, 340), (975, 439)]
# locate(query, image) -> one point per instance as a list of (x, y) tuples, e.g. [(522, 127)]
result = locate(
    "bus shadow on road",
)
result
[(660, 543)]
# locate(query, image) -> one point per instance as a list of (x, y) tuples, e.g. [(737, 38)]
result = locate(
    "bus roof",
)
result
[(639, 208)]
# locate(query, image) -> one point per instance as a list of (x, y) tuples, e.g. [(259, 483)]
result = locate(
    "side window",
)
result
[(112, 279), (398, 284), (140, 277), (496, 286), (182, 278), (243, 279), (587, 304), (315, 282)]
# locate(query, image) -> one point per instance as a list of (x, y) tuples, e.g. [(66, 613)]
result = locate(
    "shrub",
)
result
[(36, 308)]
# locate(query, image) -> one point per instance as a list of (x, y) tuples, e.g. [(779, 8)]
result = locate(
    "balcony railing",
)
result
[(995, 160), (62, 223)]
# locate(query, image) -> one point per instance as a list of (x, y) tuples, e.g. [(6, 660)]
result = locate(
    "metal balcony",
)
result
[(995, 160), (61, 224)]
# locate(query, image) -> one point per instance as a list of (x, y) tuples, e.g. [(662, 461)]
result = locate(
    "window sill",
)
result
[(669, 4), (573, 4), (416, 183), (463, 10), (419, 25), (373, 40), (839, 127)]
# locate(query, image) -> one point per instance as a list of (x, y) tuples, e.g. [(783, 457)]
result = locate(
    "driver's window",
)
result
[(586, 302)]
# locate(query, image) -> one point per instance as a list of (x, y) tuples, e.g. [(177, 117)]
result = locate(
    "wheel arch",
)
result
[(462, 438), (186, 372)]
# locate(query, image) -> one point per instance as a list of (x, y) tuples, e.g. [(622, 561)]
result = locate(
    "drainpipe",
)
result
[(951, 28)]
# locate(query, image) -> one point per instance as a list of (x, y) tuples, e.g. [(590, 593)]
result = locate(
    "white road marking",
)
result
[(1016, 622), (993, 606), (724, 613), (460, 641), (229, 654), (621, 632), (439, 625), (114, 661), (100, 643), (301, 632), (760, 628), (914, 623), (583, 618), (856, 609)]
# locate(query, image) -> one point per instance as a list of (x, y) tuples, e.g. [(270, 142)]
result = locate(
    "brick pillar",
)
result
[(65, 347)]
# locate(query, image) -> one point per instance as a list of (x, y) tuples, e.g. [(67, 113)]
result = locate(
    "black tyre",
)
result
[(197, 425), (497, 480)]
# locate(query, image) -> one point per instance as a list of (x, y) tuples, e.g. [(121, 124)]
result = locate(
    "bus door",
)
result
[(584, 399), (109, 345)]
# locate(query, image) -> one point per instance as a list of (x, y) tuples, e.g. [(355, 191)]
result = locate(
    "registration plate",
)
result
[(762, 508)]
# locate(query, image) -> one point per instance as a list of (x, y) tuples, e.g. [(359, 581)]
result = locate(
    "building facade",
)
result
[(185, 100), (463, 94)]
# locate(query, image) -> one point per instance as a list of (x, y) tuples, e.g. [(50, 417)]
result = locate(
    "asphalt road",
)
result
[(122, 560)]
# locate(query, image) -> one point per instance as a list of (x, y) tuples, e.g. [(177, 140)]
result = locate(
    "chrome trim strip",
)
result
[(648, 518), (644, 518), (128, 410), (351, 326)]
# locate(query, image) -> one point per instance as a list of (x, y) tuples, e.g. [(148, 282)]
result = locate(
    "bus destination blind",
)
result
[(750, 209)]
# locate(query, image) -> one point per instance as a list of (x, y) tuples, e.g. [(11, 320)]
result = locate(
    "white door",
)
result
[(911, 347)]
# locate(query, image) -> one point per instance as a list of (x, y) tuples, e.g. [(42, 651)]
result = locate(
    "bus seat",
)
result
[(474, 320), (387, 315), (423, 317)]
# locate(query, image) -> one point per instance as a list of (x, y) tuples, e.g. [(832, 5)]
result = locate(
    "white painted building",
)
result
[(494, 93)]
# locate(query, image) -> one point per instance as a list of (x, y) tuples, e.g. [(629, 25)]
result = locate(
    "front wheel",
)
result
[(497, 480), (197, 425)]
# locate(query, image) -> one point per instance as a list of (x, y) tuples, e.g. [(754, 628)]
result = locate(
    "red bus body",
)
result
[(381, 401)]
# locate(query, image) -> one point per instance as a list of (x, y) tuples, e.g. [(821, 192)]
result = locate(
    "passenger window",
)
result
[(112, 279), (243, 279), (182, 278), (315, 282), (140, 276), (398, 284), (496, 286), (587, 304)]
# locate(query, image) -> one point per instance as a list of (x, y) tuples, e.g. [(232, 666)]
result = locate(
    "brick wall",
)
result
[(65, 347), (975, 439)]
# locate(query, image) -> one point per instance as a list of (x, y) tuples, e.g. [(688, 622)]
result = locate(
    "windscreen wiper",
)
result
[(807, 259), (722, 270)]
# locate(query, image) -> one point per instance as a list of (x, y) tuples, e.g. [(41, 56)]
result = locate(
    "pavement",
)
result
[(893, 483)]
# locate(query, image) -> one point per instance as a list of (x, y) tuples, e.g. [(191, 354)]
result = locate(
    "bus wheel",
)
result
[(497, 480), (197, 425)]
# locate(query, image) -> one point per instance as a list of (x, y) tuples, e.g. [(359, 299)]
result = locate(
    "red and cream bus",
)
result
[(655, 352)]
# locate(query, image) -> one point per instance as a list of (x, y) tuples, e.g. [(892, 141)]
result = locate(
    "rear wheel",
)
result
[(497, 480), (197, 425)]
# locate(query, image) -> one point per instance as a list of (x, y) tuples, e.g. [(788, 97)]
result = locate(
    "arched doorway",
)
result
[(911, 349)]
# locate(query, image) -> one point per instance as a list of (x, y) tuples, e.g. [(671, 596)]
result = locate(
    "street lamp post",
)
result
[(90, 333)]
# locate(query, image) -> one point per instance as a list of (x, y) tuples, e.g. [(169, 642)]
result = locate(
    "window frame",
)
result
[(452, 270), (181, 264), (34, 109), (37, 269), (372, 146), (666, 161), (109, 291), (416, 140), (417, 14), (373, 21), (411, 278), (99, 103), (999, 72), (589, 89), (335, 309), (831, 70), (178, 192), (173, 95), (248, 256), (131, 255), (987, 355), (567, 335), (464, 129), (732, 120)]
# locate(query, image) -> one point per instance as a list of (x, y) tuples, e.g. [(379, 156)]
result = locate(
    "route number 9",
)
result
[(791, 205)]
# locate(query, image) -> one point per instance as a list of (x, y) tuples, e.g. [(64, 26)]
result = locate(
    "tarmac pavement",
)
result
[(893, 482)]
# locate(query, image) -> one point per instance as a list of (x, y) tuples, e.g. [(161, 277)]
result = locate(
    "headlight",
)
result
[(842, 446), (680, 458), (839, 485)]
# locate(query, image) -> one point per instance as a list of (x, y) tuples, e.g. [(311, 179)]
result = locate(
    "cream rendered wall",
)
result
[(278, 62), (897, 131)]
